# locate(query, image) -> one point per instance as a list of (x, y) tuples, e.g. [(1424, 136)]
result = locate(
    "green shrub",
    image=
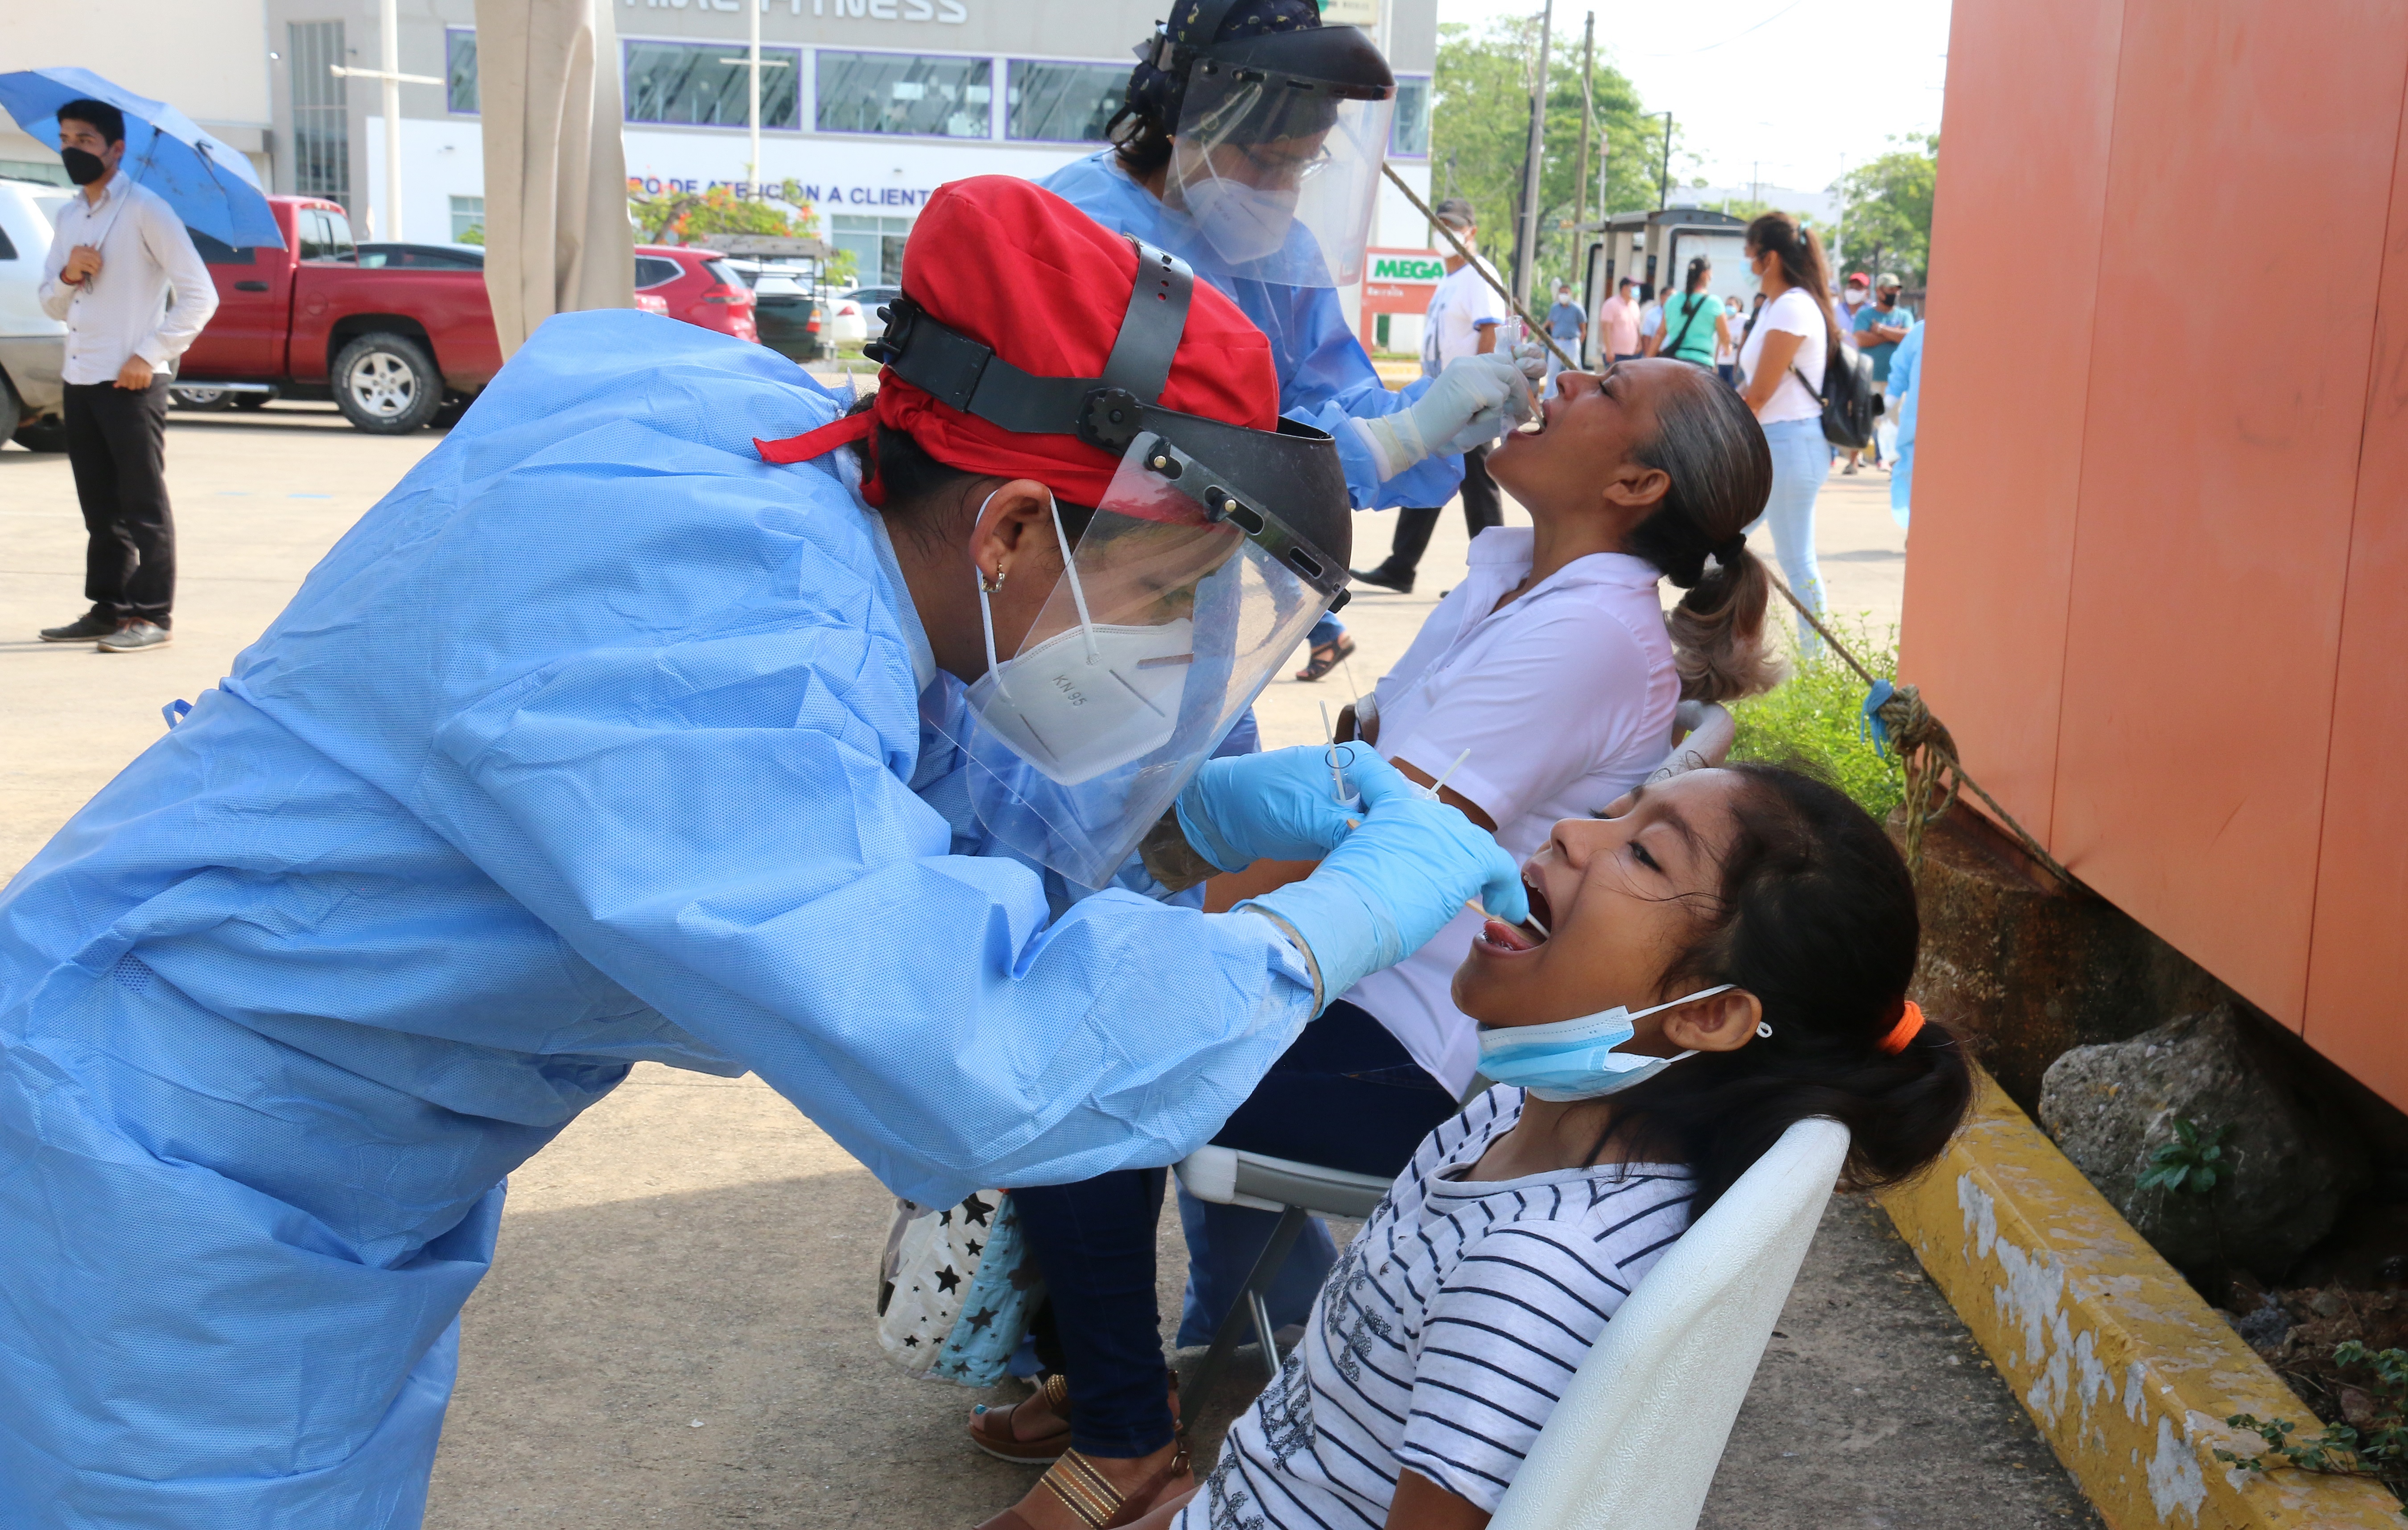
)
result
[(1815, 718)]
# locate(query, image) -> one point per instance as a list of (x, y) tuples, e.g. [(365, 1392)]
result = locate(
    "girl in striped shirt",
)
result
[(1751, 932)]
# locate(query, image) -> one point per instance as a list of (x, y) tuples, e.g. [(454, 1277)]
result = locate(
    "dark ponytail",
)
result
[(1816, 918), (1709, 444), (1799, 253), (1700, 269)]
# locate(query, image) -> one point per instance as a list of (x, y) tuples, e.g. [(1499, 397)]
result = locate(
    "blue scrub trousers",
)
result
[(1801, 459), (1346, 1095)]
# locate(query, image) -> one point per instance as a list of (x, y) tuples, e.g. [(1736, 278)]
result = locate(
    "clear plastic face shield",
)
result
[(1277, 171), (1172, 611)]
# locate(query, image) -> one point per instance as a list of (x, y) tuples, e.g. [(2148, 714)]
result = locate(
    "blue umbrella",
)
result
[(208, 182)]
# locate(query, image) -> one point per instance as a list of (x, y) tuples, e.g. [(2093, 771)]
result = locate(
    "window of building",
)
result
[(460, 70), (1062, 103), (708, 84), (1410, 137), (876, 246), (904, 92), (321, 125), (467, 220)]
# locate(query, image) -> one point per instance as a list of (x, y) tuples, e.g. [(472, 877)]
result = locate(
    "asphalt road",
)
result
[(677, 1330)]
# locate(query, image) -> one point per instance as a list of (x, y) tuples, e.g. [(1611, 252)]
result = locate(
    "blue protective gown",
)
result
[(599, 739), (1325, 375)]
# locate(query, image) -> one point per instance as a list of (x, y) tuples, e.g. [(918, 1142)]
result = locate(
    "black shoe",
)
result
[(83, 629), (134, 637), (1381, 579)]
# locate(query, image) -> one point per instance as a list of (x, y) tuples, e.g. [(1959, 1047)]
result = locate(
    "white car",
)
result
[(32, 345), (846, 322)]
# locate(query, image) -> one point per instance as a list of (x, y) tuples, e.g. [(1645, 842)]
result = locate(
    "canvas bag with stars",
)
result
[(960, 1291)]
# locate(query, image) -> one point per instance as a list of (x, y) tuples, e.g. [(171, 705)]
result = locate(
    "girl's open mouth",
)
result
[(1513, 939)]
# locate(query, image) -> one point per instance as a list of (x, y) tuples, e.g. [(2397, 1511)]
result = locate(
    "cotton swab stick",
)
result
[(1329, 748), (1473, 904), (1432, 789)]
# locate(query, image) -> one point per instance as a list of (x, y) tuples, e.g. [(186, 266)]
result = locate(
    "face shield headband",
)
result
[(1212, 551), (1277, 143)]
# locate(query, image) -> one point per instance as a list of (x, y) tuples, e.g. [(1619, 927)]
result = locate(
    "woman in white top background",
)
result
[(1783, 358)]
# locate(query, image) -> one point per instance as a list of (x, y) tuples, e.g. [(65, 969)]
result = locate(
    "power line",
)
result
[(1684, 52)]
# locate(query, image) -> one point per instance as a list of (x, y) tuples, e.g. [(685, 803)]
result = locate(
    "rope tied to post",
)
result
[(1927, 751)]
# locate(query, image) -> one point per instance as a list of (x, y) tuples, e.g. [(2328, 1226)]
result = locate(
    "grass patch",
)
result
[(1815, 718)]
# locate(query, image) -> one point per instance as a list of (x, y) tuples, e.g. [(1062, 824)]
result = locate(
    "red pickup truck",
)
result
[(392, 344)]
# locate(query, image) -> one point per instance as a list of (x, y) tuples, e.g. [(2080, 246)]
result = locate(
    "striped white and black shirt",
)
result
[(1443, 1337)]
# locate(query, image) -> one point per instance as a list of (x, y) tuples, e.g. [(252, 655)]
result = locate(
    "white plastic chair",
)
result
[(1634, 1443), (1231, 1176)]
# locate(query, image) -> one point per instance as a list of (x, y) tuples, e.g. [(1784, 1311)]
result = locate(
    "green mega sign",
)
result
[(1407, 268)]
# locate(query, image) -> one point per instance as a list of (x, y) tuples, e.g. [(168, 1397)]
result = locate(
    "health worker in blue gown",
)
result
[(640, 722), (1251, 145)]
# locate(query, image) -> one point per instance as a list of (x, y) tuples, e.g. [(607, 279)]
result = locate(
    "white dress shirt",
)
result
[(124, 310), (1565, 699)]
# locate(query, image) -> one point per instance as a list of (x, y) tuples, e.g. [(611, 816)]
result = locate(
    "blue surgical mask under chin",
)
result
[(1574, 1059)]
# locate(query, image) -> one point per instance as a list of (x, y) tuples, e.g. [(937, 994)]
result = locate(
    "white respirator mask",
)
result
[(1084, 702), (1243, 223)]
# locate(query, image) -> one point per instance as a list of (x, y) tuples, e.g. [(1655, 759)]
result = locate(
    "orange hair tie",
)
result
[(1910, 1020)]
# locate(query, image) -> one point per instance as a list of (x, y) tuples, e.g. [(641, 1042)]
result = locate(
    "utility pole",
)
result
[(1526, 256), (394, 81), (1664, 177), (752, 62), (1588, 124)]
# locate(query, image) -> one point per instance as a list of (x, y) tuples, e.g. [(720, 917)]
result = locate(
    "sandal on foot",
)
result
[(1325, 657), (992, 1428), (1088, 1494)]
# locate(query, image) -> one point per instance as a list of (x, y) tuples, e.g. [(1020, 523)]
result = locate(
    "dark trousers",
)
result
[(117, 445), (1481, 509), (1345, 1095)]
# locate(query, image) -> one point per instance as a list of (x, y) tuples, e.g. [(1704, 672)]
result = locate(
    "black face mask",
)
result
[(83, 165)]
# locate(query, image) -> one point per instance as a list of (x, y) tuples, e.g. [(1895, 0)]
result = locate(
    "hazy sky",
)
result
[(1806, 87)]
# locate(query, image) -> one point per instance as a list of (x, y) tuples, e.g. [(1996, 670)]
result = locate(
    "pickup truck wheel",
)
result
[(386, 385), (201, 399)]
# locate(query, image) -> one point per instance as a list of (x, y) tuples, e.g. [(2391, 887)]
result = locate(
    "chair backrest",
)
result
[(1634, 1443)]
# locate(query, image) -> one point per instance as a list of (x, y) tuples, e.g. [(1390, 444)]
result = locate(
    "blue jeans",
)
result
[(1328, 630), (1801, 459), (1346, 1095)]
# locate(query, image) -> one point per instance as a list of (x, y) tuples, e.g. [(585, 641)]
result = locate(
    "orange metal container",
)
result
[(2158, 583)]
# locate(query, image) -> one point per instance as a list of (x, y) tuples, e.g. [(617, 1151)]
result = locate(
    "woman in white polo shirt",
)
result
[(1782, 359)]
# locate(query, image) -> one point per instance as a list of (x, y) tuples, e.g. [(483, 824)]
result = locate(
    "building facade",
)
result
[(866, 106)]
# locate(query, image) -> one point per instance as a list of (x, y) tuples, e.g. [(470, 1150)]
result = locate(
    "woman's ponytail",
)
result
[(1709, 444)]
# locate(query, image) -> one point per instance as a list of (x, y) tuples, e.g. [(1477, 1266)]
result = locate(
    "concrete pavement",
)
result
[(677, 1331)]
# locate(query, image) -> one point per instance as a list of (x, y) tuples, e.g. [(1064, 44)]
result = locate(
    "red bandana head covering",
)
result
[(1013, 267)]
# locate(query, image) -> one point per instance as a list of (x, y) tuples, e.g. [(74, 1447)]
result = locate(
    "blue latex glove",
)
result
[(1278, 806), (1392, 883)]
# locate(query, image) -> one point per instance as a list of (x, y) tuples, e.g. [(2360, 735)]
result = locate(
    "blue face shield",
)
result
[(1575, 1059)]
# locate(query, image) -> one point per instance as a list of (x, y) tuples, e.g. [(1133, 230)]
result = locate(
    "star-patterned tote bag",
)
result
[(959, 1291)]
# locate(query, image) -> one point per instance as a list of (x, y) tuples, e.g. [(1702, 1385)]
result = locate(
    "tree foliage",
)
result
[(1888, 216), (1479, 131), (690, 215)]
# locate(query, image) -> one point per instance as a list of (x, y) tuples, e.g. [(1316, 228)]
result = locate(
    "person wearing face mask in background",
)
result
[(1618, 323), (117, 257), (1734, 331), (1879, 328), (1463, 321), (1651, 318), (1856, 298), (1786, 353), (1250, 145), (1568, 324)]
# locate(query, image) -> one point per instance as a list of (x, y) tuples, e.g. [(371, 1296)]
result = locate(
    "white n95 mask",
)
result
[(1243, 223), (1084, 702), (1089, 699), (1574, 1059)]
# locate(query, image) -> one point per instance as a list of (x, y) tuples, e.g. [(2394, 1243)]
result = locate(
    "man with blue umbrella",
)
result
[(118, 253)]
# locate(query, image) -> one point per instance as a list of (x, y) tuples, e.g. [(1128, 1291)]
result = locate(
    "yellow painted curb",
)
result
[(2128, 1375)]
